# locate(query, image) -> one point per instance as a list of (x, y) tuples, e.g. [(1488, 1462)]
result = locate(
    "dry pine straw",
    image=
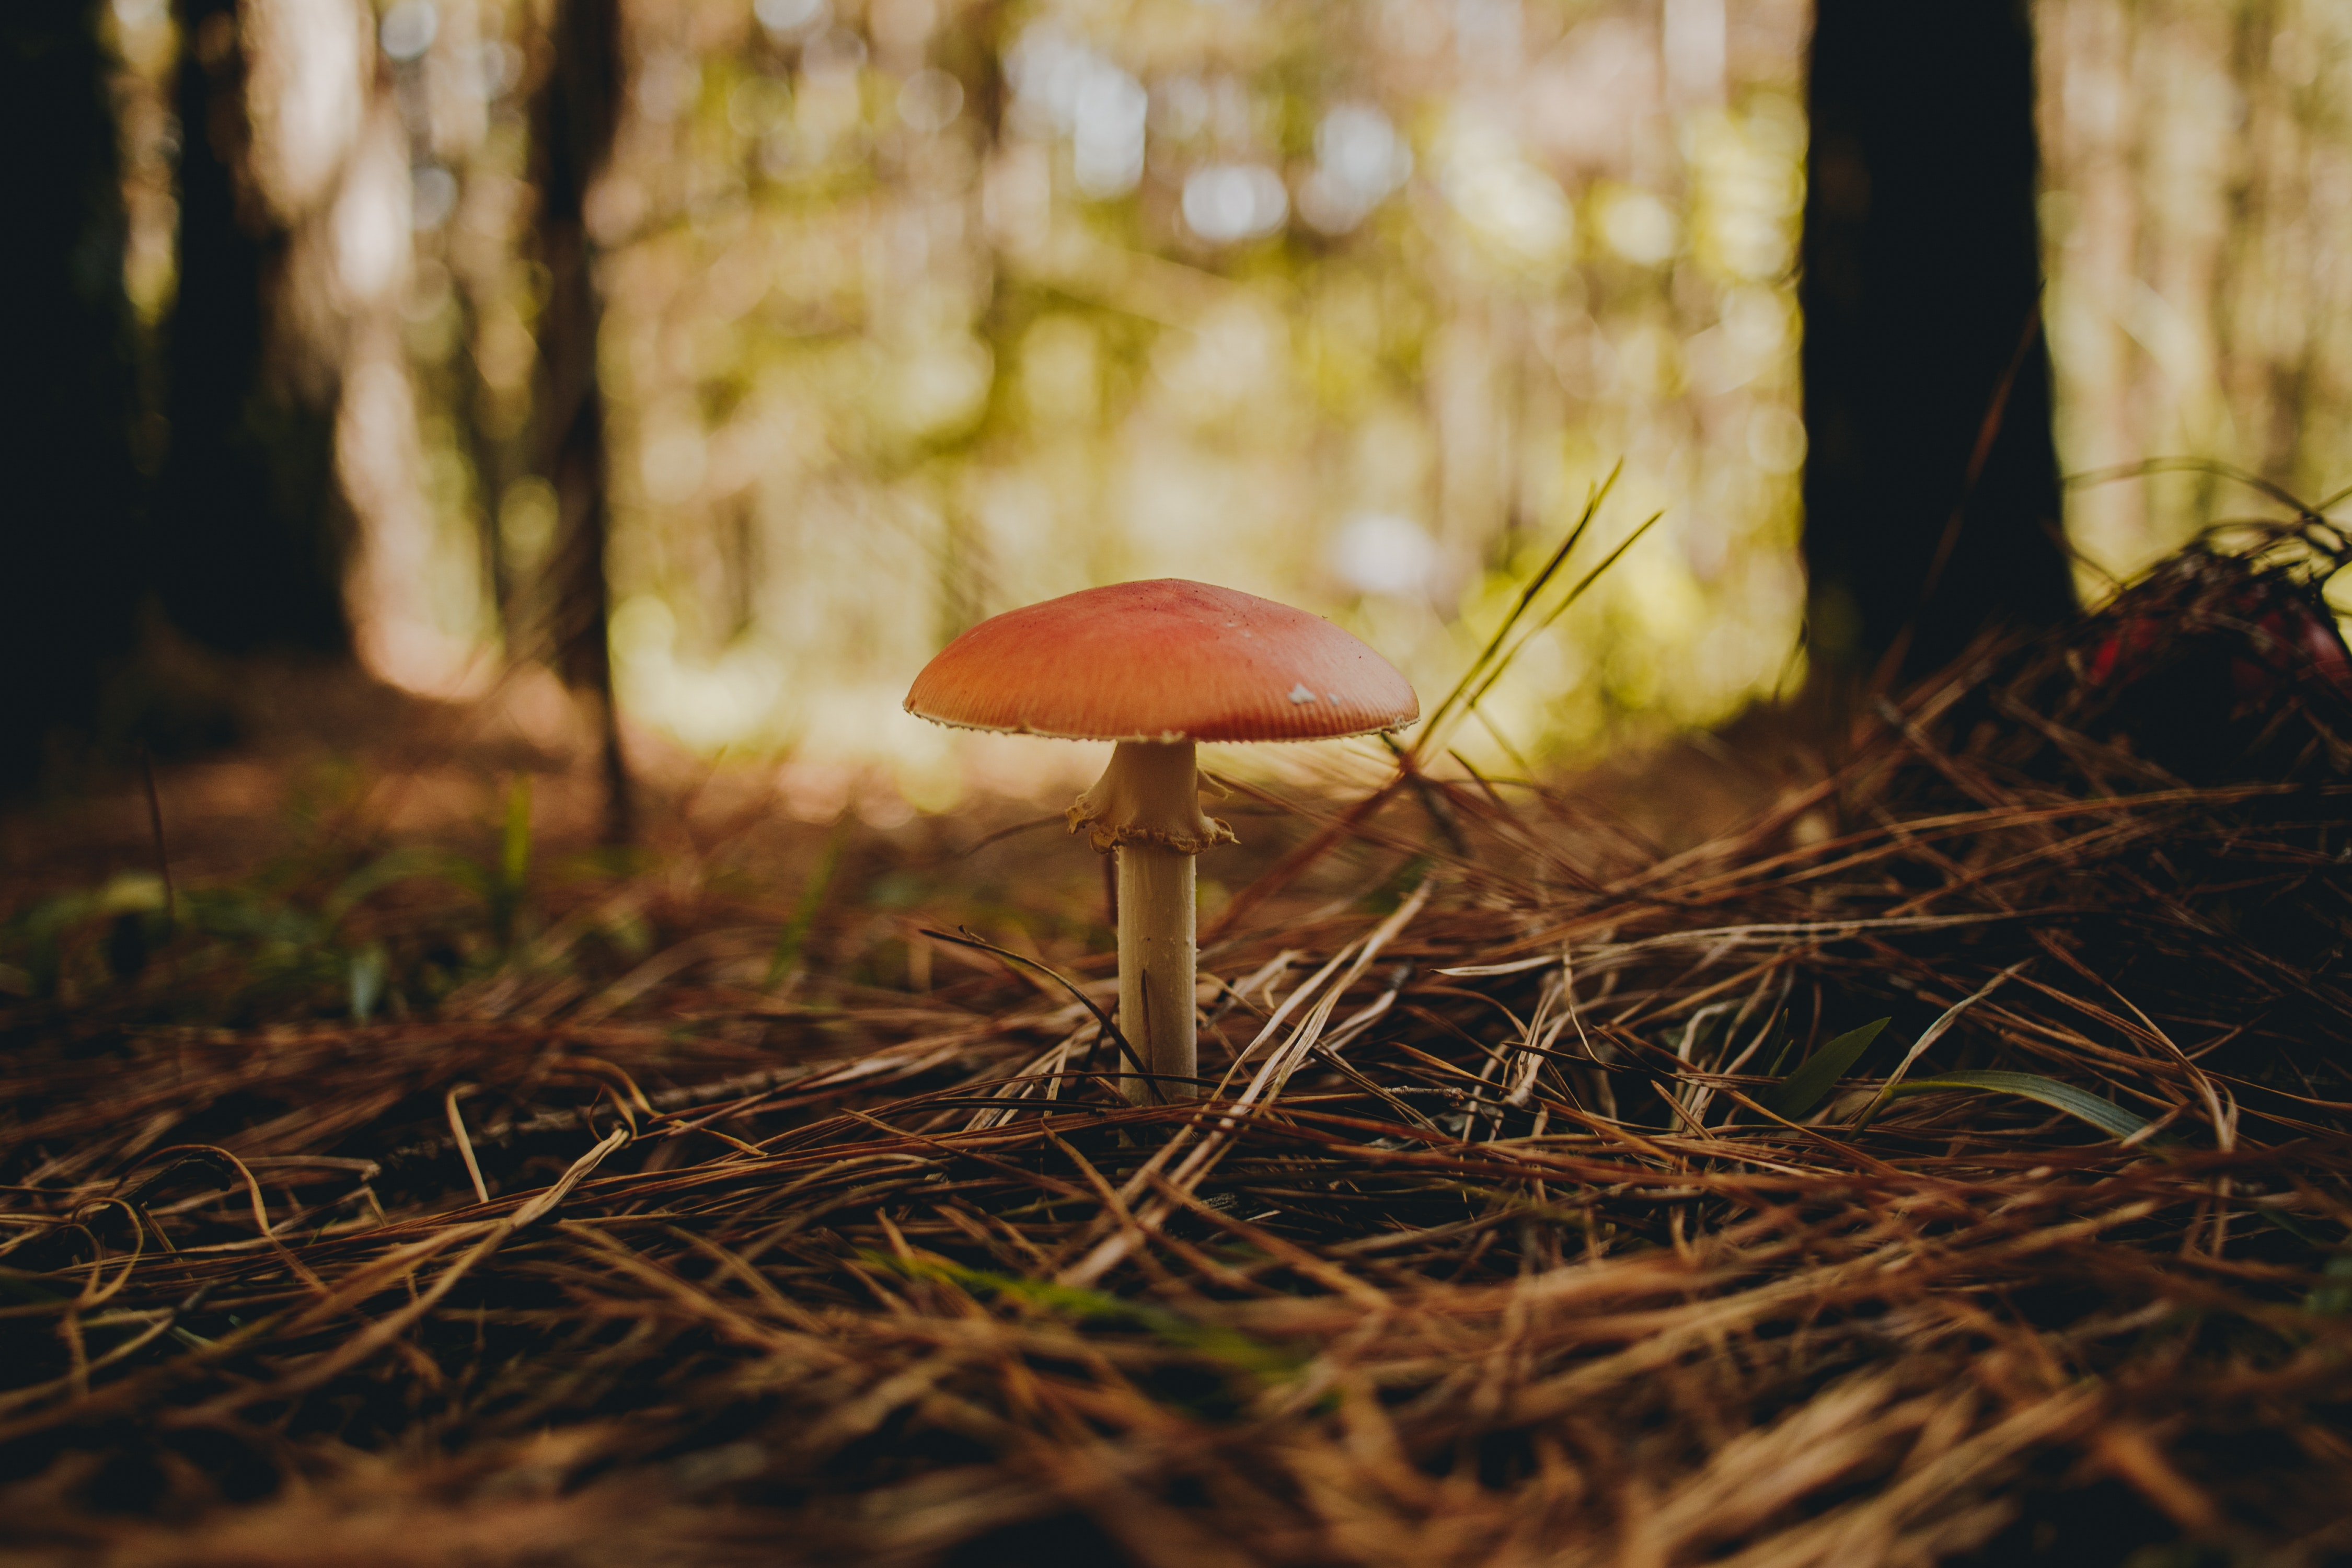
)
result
[(1484, 1251)]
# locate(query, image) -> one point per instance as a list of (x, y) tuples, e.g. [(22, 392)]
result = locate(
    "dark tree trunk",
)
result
[(1931, 492), (573, 121), (250, 527), (70, 576)]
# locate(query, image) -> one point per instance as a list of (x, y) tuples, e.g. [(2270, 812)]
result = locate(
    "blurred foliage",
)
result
[(334, 925), (918, 315), (2199, 170), (918, 311)]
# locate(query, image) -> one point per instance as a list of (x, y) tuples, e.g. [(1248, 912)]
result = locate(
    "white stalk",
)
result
[(1146, 805), (1156, 957)]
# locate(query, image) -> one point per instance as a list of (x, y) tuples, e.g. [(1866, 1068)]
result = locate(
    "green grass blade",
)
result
[(794, 936), (514, 845), (2299, 1229), (2333, 1299), (1436, 722), (367, 970), (2104, 1114), (1796, 1096), (400, 866), (1268, 1360), (1503, 665), (514, 863)]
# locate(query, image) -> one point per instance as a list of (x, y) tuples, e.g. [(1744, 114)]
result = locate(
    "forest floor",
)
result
[(1916, 1138)]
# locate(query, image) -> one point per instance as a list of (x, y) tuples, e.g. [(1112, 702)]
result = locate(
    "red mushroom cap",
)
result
[(1165, 661)]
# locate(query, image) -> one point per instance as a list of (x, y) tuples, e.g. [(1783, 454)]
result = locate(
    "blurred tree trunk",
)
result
[(572, 121), (250, 525), (1931, 492), (70, 569)]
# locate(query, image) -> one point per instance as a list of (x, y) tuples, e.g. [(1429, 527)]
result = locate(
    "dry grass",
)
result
[(1504, 1238)]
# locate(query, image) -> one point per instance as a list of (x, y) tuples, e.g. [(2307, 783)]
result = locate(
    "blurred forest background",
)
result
[(795, 336)]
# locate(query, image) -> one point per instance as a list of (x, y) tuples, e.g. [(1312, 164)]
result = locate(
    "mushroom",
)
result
[(1158, 667)]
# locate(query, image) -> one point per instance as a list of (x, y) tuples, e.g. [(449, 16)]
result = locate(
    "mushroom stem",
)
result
[(1146, 805), (1156, 957)]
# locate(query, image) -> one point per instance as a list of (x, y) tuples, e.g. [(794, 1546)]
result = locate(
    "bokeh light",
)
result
[(916, 312)]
